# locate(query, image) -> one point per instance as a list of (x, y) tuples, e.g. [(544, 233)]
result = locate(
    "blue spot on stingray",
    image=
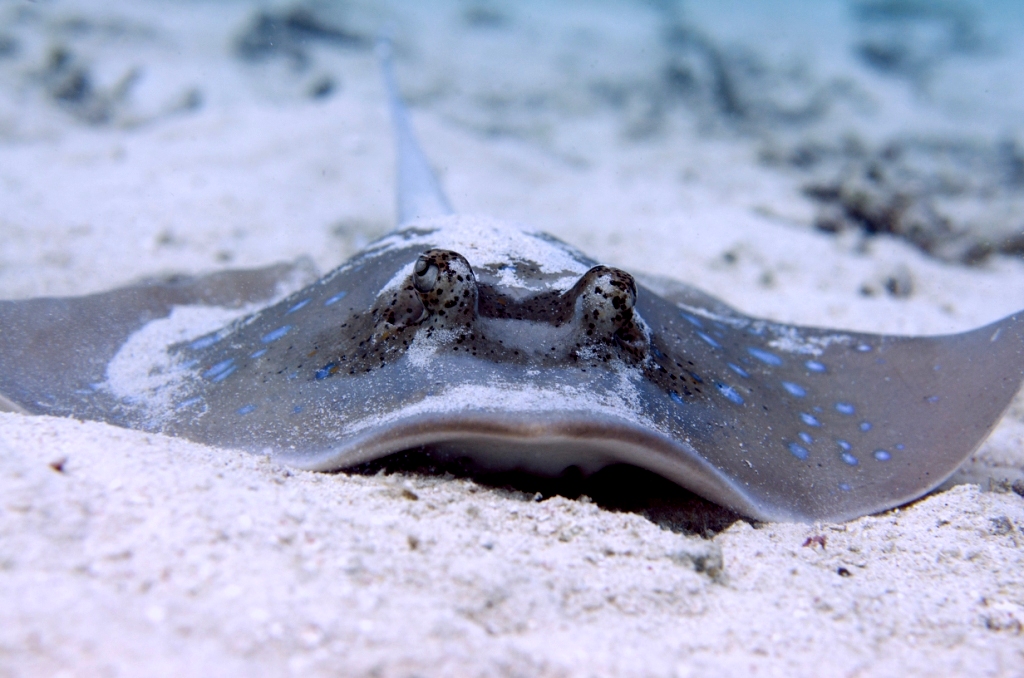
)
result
[(794, 389), (218, 368), (276, 334), (188, 403), (739, 370), (296, 307), (711, 342), (806, 437), (900, 446), (863, 348), (933, 399), (730, 393), (844, 445), (696, 377), (809, 419), (676, 398), (798, 451), (325, 371), (849, 459), (336, 298), (205, 342), (225, 374), (845, 487), (814, 366), (246, 409), (882, 455), (845, 408), (865, 426), (693, 320), (764, 356), (296, 409), (258, 353)]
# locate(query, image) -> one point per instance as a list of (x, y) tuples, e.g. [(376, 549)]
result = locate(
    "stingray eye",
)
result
[(424, 274)]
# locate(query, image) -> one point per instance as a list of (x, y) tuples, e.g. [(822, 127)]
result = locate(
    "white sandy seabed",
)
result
[(145, 555)]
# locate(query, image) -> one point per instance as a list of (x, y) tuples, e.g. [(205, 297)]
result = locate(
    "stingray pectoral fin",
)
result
[(866, 423), (54, 350), (935, 400), (233, 288), (686, 296), (11, 406)]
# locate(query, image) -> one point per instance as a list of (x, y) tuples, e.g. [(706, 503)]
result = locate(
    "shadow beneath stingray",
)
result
[(620, 487)]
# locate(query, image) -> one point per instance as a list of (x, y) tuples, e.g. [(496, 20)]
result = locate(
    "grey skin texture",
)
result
[(477, 339)]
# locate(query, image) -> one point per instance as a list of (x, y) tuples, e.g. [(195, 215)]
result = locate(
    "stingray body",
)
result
[(477, 338)]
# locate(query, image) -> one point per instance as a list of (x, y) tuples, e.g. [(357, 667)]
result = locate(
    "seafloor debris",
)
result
[(67, 81), (910, 38), (724, 86), (957, 200), (290, 33), (738, 86), (8, 46), (98, 69), (487, 15)]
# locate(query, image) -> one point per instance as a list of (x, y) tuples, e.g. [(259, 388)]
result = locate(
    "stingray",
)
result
[(473, 338)]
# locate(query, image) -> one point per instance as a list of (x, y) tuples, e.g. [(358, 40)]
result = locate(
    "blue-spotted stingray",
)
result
[(470, 337)]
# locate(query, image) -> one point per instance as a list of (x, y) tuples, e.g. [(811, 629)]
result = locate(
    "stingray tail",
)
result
[(419, 193)]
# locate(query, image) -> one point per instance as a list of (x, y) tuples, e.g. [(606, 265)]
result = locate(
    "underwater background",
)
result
[(845, 163), (894, 117)]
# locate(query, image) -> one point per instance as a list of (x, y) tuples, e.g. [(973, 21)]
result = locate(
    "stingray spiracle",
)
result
[(605, 299)]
